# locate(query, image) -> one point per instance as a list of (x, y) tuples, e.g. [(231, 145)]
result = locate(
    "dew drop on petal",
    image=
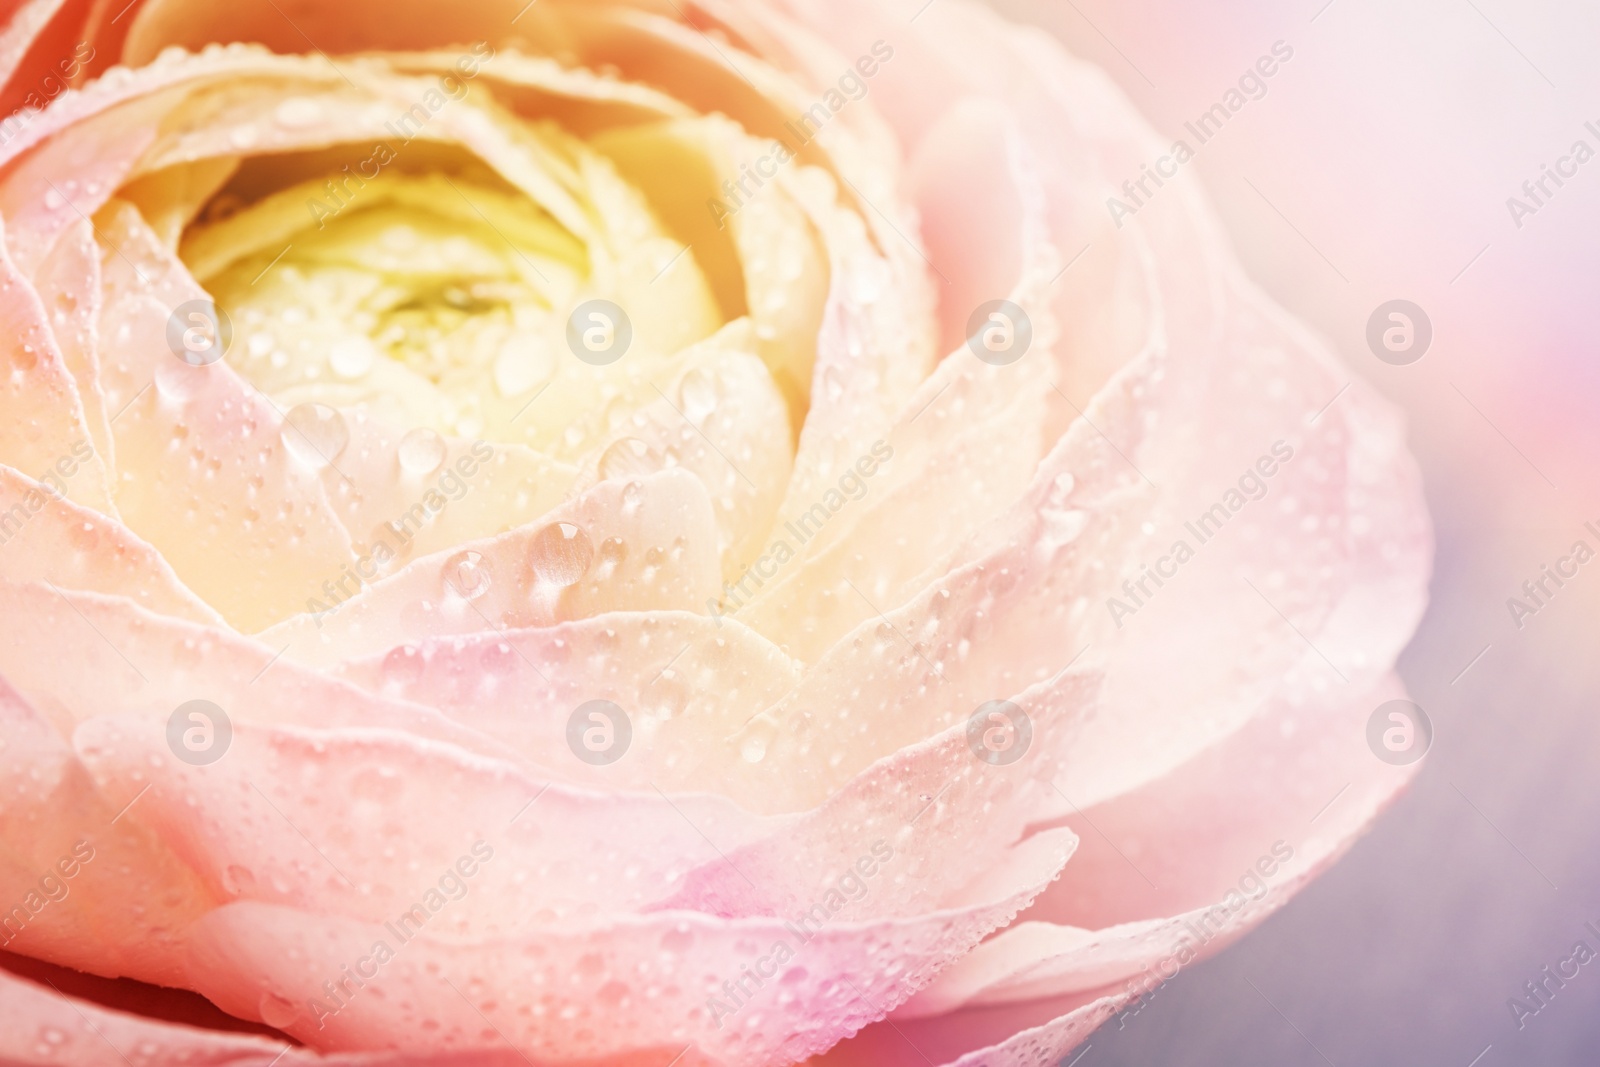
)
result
[(177, 380), (468, 574), (1062, 488), (403, 666), (561, 554), (421, 451), (833, 384), (315, 434), (698, 396), (613, 550), (624, 459), (1062, 527), (277, 1011), (753, 749)]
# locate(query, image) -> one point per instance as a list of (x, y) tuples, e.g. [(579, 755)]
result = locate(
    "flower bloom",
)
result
[(622, 531)]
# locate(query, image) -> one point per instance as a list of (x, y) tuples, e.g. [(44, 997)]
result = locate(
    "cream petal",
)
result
[(69, 286), (967, 443), (686, 683), (386, 495), (647, 544), (723, 419), (130, 662), (47, 435), (50, 539), (207, 475)]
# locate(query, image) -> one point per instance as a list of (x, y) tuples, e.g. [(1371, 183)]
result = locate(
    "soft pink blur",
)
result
[(1378, 166)]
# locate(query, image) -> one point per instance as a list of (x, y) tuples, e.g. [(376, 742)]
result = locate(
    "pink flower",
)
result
[(600, 533)]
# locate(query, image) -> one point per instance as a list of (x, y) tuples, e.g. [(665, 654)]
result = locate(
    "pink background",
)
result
[(1391, 142)]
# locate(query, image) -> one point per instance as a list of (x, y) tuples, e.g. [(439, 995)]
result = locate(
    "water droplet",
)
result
[(561, 554), (54, 200), (627, 458), (1062, 488), (177, 380), (1062, 527), (613, 550), (238, 881), (403, 665), (421, 451), (468, 574), (277, 1012), (632, 498), (833, 384), (352, 357), (753, 749), (315, 434), (698, 395)]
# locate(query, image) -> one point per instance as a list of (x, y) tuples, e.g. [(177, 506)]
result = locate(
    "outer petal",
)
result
[(52, 439), (49, 539)]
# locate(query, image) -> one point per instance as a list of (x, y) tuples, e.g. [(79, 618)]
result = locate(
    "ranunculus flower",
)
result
[(644, 533)]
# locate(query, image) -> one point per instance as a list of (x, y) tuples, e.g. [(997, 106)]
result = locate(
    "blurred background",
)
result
[(1378, 167)]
